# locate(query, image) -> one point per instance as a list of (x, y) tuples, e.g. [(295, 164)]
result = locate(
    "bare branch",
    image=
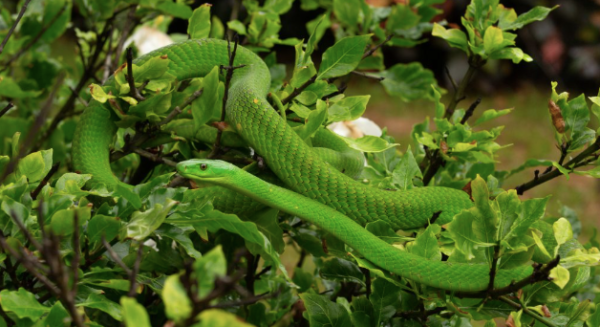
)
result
[(6, 109), (36, 38), (179, 109), (45, 181), (133, 91), (12, 28)]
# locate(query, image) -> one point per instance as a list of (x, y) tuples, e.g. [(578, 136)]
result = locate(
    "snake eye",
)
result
[(203, 166)]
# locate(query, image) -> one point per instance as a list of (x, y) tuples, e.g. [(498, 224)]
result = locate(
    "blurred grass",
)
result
[(528, 128)]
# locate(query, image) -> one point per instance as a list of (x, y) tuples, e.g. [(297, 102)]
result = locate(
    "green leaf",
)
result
[(401, 18), (562, 231), (35, 165), (455, 37), (209, 267), (154, 68), (383, 230), (385, 298), (406, 170), (213, 220), (98, 93), (369, 143), (219, 318), (177, 304), (594, 320), (341, 270), (349, 108), (343, 57), (491, 114), (426, 244), (493, 40), (100, 302), (268, 223), (515, 54), (237, 26), (409, 81), (278, 6), (347, 11), (530, 212), (134, 314), (208, 105), (22, 304), (538, 13), (315, 36), (101, 225), (10, 89), (175, 9), (181, 237), (142, 224), (199, 24), (560, 276), (324, 313)]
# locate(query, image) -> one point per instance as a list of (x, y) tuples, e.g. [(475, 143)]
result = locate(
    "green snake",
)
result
[(295, 163), (440, 274)]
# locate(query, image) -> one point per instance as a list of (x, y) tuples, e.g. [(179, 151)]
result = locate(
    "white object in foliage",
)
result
[(356, 128), (148, 39)]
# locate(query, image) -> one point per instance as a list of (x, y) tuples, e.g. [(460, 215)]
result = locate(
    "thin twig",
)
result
[(459, 94), (154, 157), (494, 268), (134, 272), (528, 312), (115, 256), (130, 23), (452, 81), (470, 111), (36, 38), (85, 104), (76, 254), (299, 90), (28, 265), (571, 164), (88, 73), (12, 28), (6, 109), (228, 76), (540, 273), (108, 59), (179, 108), (45, 181), (133, 91), (250, 300), (373, 49)]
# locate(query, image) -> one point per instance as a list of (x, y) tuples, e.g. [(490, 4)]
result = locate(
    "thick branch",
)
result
[(133, 91)]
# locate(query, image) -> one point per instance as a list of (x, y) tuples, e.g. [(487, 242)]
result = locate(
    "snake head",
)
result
[(206, 170)]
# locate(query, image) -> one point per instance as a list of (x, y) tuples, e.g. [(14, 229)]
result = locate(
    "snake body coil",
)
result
[(289, 157)]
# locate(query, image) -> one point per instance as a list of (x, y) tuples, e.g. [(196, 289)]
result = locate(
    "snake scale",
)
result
[(299, 168)]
